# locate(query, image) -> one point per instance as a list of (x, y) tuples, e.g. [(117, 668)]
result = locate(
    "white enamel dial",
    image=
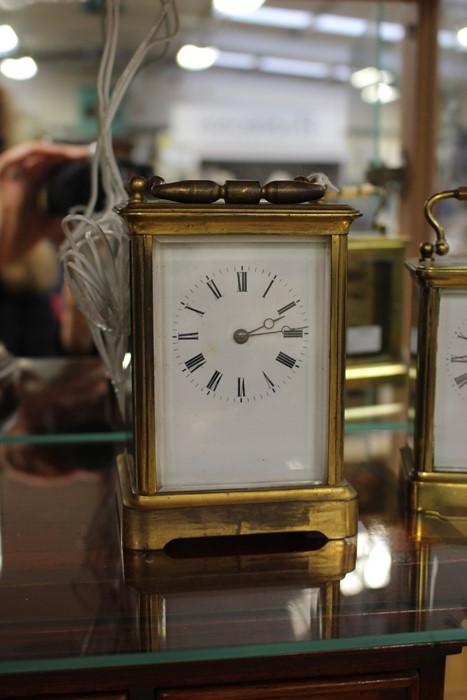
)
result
[(450, 434), (240, 333), (457, 358), (241, 344)]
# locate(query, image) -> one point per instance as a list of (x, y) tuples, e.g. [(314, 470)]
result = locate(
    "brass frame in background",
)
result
[(387, 365), (442, 493)]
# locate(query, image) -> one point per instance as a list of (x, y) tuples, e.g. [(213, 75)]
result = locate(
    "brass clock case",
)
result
[(151, 518), (434, 488)]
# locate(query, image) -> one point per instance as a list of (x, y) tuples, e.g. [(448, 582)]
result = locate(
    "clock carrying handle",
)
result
[(299, 190), (441, 247)]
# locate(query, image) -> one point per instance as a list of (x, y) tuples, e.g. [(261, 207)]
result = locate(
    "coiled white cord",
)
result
[(96, 252)]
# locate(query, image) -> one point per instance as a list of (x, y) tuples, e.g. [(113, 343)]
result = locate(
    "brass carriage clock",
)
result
[(238, 361), (437, 463)]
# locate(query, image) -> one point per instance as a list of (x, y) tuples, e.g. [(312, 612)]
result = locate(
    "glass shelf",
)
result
[(70, 599)]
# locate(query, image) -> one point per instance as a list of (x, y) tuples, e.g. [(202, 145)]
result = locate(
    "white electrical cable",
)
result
[(18, 4), (96, 251)]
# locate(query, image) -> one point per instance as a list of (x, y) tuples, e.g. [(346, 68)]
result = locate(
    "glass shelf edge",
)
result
[(227, 653)]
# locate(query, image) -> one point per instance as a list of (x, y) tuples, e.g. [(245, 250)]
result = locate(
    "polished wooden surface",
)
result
[(76, 615)]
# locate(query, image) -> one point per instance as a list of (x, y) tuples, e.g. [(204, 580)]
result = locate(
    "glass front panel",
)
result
[(450, 435), (242, 358)]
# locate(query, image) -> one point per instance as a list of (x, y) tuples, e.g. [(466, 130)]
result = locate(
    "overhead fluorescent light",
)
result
[(8, 39), (391, 31), (462, 36), (370, 76), (235, 60), (193, 57), (447, 39), (200, 59), (380, 92), (19, 68), (289, 66), (338, 24), (236, 8), (280, 17), (341, 73)]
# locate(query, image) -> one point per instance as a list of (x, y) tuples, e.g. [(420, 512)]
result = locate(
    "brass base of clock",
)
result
[(434, 528), (438, 493), (151, 522), (162, 572)]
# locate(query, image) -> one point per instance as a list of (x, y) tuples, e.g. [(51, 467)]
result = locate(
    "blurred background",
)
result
[(290, 88)]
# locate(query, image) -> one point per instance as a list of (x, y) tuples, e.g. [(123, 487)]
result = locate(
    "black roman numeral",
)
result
[(188, 336), (461, 380), (458, 358), (195, 362), (285, 308), (213, 383), (241, 387), (241, 281), (293, 332), (214, 288), (286, 360)]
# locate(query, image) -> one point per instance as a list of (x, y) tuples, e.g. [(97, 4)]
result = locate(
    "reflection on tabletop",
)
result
[(68, 590), (48, 407)]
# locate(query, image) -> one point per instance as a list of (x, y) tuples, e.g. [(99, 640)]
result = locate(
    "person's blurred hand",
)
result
[(23, 174)]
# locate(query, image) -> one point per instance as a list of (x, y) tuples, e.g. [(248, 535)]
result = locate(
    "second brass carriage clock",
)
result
[(437, 464), (239, 360)]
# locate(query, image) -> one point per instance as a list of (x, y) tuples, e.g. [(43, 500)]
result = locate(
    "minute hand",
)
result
[(281, 330)]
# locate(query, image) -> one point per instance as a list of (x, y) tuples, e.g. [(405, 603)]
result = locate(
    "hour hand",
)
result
[(268, 323), (241, 335)]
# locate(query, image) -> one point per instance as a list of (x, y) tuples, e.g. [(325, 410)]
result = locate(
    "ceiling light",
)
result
[(236, 60), (391, 31), (370, 76), (448, 40), (19, 68), (289, 66), (337, 24), (462, 36), (8, 39), (277, 17), (380, 93), (341, 73), (236, 8), (193, 57)]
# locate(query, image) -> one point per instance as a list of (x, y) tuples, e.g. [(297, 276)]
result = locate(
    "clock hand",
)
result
[(241, 335), (281, 330), (268, 323)]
